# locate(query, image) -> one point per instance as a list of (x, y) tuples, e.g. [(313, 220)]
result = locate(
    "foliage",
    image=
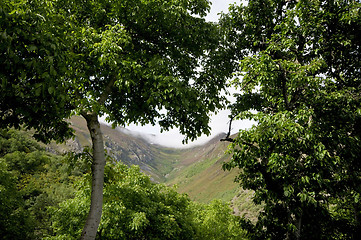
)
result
[(32, 59), (146, 52), (15, 222), (134, 61), (136, 208), (300, 69), (216, 221), (31, 180)]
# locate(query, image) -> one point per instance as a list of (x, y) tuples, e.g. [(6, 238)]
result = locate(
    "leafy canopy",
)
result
[(32, 60), (136, 208), (300, 80), (136, 61)]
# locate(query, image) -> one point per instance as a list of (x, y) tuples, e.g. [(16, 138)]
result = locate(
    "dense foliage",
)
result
[(31, 180), (47, 196), (300, 80), (33, 58), (136, 208)]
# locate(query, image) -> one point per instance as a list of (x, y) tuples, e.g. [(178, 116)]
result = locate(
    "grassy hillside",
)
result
[(196, 171), (199, 173)]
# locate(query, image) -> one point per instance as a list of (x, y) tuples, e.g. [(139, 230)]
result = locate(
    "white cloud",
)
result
[(172, 138)]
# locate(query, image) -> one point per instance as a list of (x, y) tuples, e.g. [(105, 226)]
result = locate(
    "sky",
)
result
[(219, 6), (219, 123)]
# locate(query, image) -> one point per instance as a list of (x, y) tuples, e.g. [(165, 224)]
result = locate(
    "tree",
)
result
[(217, 221), (32, 59), (137, 208), (134, 208), (135, 61), (31, 180), (300, 81), (15, 223)]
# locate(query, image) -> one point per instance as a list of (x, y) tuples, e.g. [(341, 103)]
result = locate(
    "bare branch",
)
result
[(227, 138)]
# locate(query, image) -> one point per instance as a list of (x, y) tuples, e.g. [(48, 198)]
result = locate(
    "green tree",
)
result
[(30, 181), (135, 61), (15, 222), (300, 69), (217, 221), (32, 59), (136, 208)]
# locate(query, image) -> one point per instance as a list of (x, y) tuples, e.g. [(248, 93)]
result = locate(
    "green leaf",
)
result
[(32, 48), (51, 90)]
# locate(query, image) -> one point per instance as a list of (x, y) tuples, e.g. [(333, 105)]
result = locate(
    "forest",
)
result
[(46, 196), (296, 66)]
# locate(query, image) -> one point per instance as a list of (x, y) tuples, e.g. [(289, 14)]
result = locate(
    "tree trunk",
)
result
[(298, 225), (98, 164), (357, 215)]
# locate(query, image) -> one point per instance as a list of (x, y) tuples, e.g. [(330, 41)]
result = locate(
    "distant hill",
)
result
[(197, 171), (154, 160)]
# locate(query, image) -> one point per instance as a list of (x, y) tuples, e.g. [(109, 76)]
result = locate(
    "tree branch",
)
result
[(107, 89), (284, 87), (227, 138)]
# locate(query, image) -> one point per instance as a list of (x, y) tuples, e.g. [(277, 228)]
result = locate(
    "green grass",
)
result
[(205, 180), (243, 205)]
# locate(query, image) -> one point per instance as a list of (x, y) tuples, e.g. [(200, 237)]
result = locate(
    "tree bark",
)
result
[(98, 164), (357, 216), (298, 225)]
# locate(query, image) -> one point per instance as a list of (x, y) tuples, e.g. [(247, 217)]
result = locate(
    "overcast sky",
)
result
[(219, 6), (219, 122)]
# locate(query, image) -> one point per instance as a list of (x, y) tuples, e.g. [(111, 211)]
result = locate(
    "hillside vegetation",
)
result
[(46, 196), (196, 171)]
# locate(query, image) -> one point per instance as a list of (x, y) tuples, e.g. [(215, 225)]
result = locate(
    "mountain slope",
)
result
[(199, 172), (196, 171), (154, 160)]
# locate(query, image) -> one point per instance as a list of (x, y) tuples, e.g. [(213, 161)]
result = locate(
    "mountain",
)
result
[(197, 171), (154, 160)]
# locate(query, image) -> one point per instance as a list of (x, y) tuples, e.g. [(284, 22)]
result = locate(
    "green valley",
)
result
[(196, 171)]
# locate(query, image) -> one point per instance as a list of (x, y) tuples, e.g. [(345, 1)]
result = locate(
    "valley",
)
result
[(197, 171)]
